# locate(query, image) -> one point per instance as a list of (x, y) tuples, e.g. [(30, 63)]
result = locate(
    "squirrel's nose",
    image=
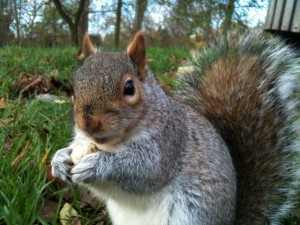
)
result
[(95, 124), (92, 127)]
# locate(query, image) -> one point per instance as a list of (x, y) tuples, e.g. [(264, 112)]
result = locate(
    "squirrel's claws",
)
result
[(84, 171), (62, 164)]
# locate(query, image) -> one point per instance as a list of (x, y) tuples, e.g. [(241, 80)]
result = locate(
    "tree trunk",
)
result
[(16, 14), (226, 25), (5, 22), (74, 35), (83, 22), (140, 8), (118, 23), (208, 30), (73, 24)]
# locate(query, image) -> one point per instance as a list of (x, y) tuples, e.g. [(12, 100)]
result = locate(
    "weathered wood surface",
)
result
[(283, 15)]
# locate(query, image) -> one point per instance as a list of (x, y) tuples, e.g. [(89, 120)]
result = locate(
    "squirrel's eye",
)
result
[(129, 88)]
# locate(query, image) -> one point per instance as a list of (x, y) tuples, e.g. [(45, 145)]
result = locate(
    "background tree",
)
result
[(229, 9), (165, 22), (203, 18), (30, 12), (51, 28), (83, 22), (140, 8), (80, 18), (118, 23), (17, 5), (6, 18)]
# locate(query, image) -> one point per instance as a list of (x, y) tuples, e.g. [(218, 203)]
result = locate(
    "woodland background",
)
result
[(165, 22)]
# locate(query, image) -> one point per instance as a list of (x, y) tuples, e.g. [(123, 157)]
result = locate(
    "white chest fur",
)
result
[(134, 215), (129, 209)]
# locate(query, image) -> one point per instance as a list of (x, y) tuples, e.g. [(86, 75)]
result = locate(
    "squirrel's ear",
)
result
[(137, 53), (87, 47)]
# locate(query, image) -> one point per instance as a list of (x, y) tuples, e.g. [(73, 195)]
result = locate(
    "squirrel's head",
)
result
[(108, 94)]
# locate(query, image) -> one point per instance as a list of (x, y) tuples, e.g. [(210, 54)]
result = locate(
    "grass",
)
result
[(36, 126), (164, 62), (29, 128)]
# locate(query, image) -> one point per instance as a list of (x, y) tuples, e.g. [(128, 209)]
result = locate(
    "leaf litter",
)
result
[(30, 84)]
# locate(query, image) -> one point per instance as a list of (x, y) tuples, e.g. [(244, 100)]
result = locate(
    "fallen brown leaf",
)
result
[(8, 143), (148, 60), (19, 157), (58, 183), (49, 209), (44, 163), (54, 72), (67, 214), (3, 103), (100, 223), (22, 75), (169, 87), (88, 199), (77, 221), (38, 84), (33, 84), (6, 121), (170, 74), (173, 58)]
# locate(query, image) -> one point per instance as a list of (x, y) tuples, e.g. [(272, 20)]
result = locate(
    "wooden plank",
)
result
[(278, 15), (288, 15), (296, 18), (270, 14)]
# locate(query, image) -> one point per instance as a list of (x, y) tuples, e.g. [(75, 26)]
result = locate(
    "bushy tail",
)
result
[(248, 88)]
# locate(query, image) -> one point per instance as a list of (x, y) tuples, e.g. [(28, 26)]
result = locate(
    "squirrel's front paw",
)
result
[(86, 170), (62, 164)]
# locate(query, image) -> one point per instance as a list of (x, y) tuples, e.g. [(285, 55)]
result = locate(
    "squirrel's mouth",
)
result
[(102, 140), (106, 140)]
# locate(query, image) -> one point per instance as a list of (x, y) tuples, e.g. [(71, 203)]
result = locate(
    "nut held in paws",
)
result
[(81, 150)]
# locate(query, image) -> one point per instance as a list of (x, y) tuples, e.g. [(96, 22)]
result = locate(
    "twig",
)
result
[(38, 80)]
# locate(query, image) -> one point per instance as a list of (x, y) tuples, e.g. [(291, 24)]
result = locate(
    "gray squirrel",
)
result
[(222, 150)]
